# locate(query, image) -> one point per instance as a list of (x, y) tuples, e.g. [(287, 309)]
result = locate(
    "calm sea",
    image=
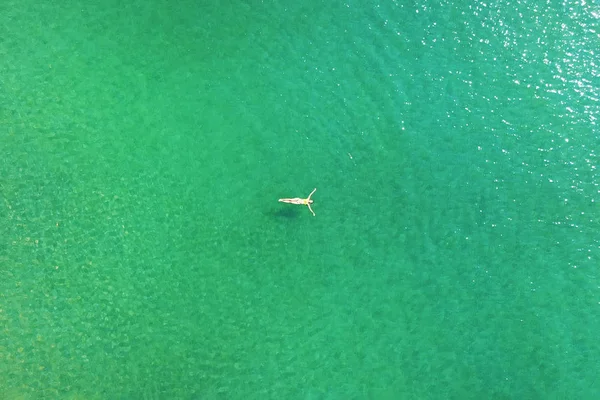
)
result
[(455, 251)]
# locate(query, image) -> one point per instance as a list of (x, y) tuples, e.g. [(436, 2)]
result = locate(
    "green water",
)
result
[(454, 252)]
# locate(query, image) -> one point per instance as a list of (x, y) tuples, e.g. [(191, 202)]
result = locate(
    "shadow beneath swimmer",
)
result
[(285, 212)]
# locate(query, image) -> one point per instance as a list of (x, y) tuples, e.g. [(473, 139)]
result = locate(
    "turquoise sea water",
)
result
[(455, 248)]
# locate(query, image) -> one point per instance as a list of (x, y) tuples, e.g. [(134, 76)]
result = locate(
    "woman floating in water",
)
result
[(304, 202)]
